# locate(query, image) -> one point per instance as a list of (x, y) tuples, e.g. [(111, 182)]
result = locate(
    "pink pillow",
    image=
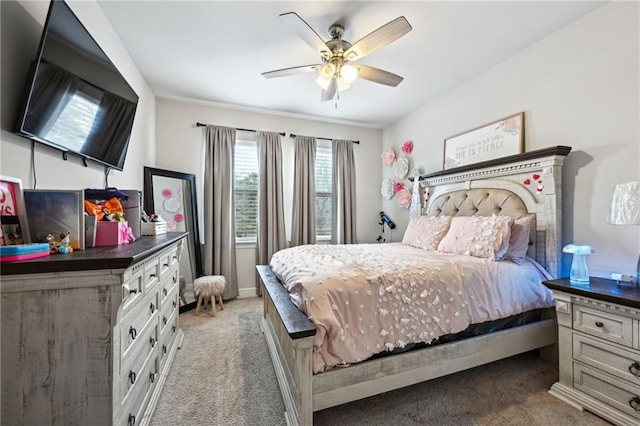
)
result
[(478, 236), (425, 232), (519, 240)]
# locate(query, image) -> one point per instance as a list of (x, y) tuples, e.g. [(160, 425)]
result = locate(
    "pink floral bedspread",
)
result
[(368, 298)]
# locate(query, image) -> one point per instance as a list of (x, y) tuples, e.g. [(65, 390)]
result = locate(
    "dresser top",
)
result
[(600, 289), (110, 257)]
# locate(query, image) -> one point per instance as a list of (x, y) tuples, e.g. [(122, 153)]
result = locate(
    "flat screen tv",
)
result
[(76, 99)]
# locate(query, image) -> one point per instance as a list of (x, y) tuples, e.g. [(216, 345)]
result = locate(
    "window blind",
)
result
[(323, 191), (246, 190)]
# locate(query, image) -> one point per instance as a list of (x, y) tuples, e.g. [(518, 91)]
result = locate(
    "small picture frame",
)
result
[(500, 138), (13, 213), (56, 212)]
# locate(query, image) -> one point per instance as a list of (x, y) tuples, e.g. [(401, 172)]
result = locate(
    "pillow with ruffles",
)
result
[(478, 236), (519, 240), (425, 232)]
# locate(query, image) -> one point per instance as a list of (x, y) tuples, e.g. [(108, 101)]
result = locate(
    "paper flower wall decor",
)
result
[(166, 193), (388, 157), (404, 198), (407, 147), (398, 187)]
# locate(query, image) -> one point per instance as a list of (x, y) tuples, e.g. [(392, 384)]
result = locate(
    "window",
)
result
[(73, 125), (246, 190), (323, 192)]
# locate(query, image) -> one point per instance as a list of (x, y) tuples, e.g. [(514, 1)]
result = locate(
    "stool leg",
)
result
[(213, 305), (198, 305), (220, 300)]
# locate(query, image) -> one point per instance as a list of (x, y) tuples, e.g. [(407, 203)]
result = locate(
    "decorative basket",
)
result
[(153, 228)]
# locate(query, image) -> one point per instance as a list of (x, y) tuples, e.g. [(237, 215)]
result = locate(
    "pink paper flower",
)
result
[(388, 157), (398, 187), (166, 193), (178, 217), (404, 198), (171, 225), (407, 147)]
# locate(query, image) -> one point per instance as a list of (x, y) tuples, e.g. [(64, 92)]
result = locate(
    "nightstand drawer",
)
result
[(617, 393), (604, 356), (606, 325)]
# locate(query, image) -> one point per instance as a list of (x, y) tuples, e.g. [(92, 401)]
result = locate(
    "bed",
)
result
[(524, 185)]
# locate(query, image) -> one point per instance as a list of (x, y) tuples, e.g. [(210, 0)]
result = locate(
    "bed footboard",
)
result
[(289, 335)]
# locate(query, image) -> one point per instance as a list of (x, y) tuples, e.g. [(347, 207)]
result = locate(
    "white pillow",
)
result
[(478, 236), (519, 240), (425, 232)]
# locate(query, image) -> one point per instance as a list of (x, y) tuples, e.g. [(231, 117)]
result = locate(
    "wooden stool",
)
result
[(210, 286)]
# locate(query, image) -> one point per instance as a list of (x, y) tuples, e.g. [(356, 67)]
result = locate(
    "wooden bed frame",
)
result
[(290, 334)]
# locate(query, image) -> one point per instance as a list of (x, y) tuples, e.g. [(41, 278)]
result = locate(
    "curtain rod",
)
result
[(324, 139), (198, 124)]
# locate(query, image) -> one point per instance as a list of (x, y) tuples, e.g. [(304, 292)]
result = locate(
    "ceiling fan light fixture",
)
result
[(327, 71), (348, 73), (323, 82), (342, 85)]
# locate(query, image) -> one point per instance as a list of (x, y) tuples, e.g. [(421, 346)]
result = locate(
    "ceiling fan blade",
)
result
[(377, 75), (291, 71), (330, 92), (307, 33), (386, 34)]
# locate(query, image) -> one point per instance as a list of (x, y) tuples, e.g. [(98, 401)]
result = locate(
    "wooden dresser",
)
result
[(88, 338), (599, 348)]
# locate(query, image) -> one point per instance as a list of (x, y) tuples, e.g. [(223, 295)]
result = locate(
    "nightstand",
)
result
[(599, 348)]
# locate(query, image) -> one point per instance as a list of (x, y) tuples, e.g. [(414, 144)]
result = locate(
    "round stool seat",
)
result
[(209, 287)]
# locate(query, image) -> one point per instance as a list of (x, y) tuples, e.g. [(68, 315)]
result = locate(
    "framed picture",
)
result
[(56, 212), (13, 213), (494, 140)]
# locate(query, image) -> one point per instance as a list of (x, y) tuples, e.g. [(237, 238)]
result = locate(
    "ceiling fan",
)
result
[(337, 70)]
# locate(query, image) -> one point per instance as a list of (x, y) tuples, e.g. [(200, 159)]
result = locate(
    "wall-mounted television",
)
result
[(76, 99)]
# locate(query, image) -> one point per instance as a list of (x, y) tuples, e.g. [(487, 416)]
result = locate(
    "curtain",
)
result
[(303, 227), (219, 207), (343, 225), (110, 131), (271, 231), (53, 90)]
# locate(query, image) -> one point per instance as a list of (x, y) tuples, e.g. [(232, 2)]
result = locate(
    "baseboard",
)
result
[(246, 293)]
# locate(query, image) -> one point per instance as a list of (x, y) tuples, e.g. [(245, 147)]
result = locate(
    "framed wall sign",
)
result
[(494, 140), (13, 214)]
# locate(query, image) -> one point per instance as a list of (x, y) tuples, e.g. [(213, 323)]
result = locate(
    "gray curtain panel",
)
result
[(343, 225), (271, 231), (303, 227), (219, 207)]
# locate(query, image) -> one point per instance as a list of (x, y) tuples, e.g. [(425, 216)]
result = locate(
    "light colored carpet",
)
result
[(223, 376)]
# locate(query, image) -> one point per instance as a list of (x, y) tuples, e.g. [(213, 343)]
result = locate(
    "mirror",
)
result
[(172, 195)]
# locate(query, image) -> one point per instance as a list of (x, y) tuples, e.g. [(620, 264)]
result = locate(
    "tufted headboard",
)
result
[(516, 186)]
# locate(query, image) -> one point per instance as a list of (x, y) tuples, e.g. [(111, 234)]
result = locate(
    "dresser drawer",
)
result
[(132, 291), (165, 264), (606, 325), (617, 393), (135, 324), (145, 385), (167, 286), (151, 275), (132, 373), (168, 338), (620, 362)]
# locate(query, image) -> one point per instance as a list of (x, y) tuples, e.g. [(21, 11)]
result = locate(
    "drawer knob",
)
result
[(175, 280), (173, 328), (635, 403), (132, 420), (152, 275), (133, 332), (175, 303), (164, 349), (165, 291), (175, 257), (152, 341), (152, 307), (132, 376), (635, 369), (599, 324), (133, 290), (165, 265), (164, 320), (152, 377)]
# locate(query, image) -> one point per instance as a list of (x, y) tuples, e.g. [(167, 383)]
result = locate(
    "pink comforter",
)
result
[(368, 298)]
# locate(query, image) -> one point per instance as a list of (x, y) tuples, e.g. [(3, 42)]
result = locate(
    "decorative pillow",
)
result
[(425, 232), (478, 236), (519, 240)]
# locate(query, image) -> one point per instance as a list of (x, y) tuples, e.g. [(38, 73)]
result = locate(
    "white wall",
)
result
[(180, 143), (22, 24), (578, 87)]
